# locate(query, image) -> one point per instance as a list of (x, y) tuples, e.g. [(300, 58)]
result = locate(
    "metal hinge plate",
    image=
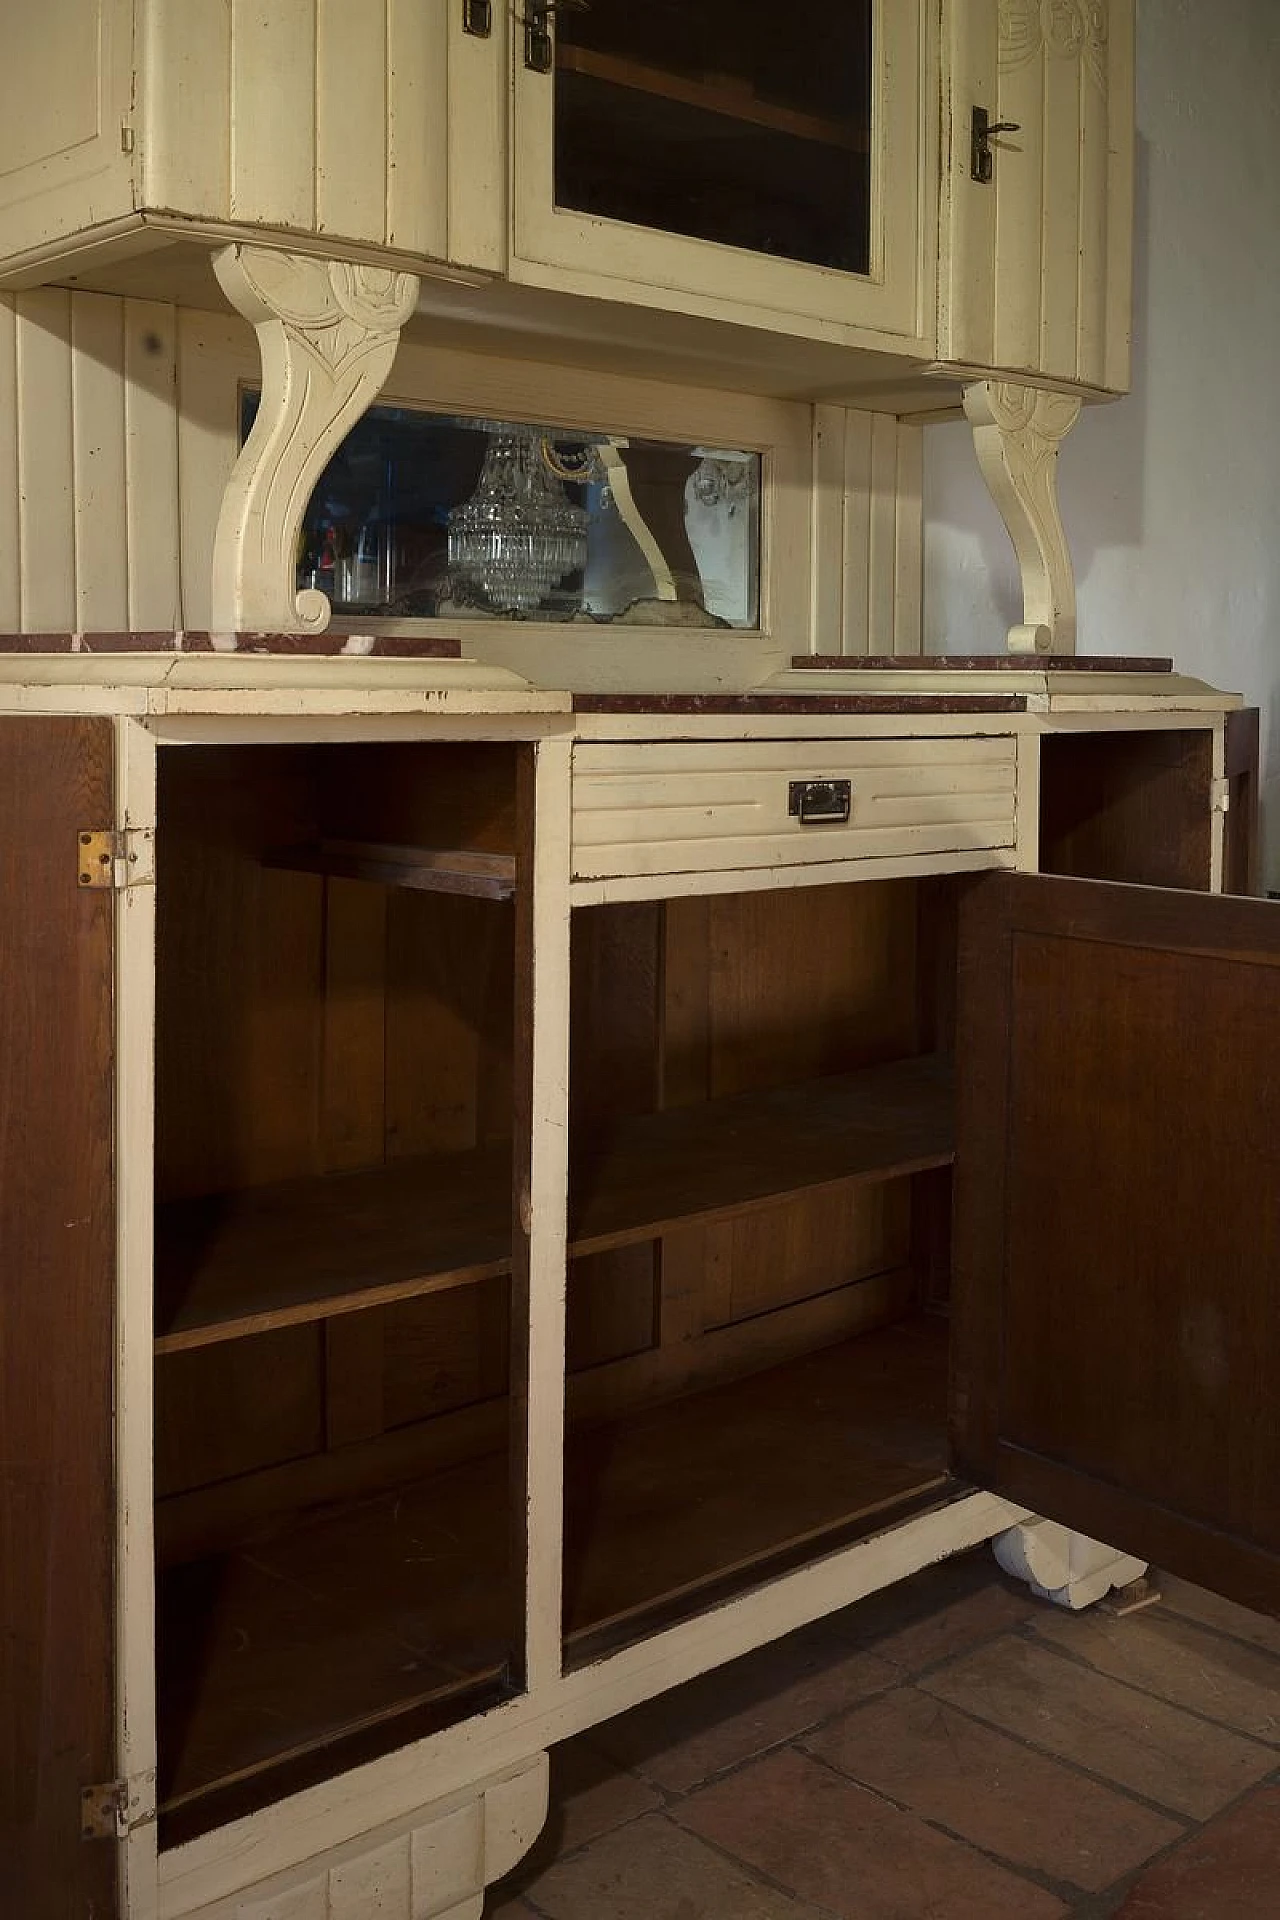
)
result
[(116, 860), (112, 1811), (1222, 796)]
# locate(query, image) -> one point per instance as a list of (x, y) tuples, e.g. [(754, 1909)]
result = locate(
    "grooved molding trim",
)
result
[(1017, 432), (327, 336)]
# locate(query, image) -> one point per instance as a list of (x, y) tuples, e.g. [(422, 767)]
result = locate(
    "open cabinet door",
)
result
[(57, 1264), (1117, 1298)]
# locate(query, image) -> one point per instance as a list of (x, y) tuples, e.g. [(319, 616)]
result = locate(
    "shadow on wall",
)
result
[(972, 591)]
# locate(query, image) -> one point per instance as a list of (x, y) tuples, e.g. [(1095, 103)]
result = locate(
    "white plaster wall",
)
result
[(1172, 496)]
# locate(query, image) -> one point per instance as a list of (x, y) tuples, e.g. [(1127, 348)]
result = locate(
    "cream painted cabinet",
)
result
[(814, 182), (125, 124), (1036, 273), (720, 160)]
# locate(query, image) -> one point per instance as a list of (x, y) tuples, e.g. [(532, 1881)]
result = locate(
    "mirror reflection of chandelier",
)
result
[(519, 534)]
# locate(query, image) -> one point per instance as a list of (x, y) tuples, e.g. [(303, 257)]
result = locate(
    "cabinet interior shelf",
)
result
[(302, 1639), (277, 1256), (488, 876), (720, 97)]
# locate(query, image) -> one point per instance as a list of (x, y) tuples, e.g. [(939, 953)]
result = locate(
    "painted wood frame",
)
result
[(609, 259)]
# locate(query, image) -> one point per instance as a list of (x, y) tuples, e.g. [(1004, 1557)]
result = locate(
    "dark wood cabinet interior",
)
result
[(722, 122), (761, 1136)]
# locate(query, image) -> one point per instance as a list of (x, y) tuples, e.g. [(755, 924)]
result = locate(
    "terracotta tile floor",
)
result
[(951, 1750)]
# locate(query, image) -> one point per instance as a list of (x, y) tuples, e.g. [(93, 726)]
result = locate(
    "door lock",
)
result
[(982, 132)]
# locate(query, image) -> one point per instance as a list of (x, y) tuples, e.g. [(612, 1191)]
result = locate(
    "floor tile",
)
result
[(1072, 1711), (683, 1738), (952, 1608), (590, 1795), (1230, 1870), (653, 1870), (1236, 1685), (1029, 1809), (1211, 1610), (852, 1853)]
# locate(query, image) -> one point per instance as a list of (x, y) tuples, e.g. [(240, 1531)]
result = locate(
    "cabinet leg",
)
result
[(1067, 1568), (434, 1864), (1017, 432), (327, 335)]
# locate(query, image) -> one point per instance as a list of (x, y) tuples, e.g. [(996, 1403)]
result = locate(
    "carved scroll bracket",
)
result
[(327, 335), (1017, 432)]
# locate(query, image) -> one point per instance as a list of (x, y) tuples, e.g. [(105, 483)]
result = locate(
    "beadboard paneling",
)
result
[(326, 116), (1036, 265), (88, 464), (868, 532)]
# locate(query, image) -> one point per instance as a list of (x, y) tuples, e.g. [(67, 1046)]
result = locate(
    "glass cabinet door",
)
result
[(730, 151), (721, 121)]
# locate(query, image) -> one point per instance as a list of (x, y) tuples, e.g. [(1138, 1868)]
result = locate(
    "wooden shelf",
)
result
[(727, 101), (727, 1157), (248, 1262), (487, 876), (340, 1633)]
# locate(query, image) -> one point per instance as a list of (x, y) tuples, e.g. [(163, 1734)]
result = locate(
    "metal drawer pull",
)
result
[(820, 803)]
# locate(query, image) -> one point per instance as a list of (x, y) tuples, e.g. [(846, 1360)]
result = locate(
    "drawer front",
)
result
[(695, 807)]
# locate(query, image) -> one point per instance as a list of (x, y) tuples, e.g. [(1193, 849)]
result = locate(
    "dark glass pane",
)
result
[(730, 121)]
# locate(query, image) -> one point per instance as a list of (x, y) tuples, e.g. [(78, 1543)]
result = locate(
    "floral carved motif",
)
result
[(1017, 431), (1060, 29), (327, 335)]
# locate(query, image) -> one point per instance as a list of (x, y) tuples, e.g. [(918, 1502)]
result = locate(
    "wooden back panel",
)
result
[(1128, 806), (57, 1320)]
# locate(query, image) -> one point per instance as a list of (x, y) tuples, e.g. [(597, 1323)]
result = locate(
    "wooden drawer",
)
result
[(688, 807)]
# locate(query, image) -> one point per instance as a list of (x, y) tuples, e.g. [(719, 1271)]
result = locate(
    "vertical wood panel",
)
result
[(351, 117), (1093, 249), (45, 461), (826, 573), (57, 1283), (98, 434), (1064, 82), (273, 109), (856, 632), (151, 467), (417, 209), (882, 552), (186, 80), (10, 542), (909, 541), (1020, 216), (1117, 370), (353, 1085)]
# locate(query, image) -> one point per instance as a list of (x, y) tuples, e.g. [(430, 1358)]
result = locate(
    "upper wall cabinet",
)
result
[(1035, 269), (612, 177), (323, 118), (730, 159)]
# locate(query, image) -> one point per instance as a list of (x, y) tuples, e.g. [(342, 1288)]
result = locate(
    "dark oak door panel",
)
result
[(1117, 1302), (57, 1257)]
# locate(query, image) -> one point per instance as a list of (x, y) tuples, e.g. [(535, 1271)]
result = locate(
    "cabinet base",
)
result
[(433, 1864)]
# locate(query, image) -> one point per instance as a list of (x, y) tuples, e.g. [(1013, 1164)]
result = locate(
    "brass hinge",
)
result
[(126, 137), (112, 1811), (116, 860)]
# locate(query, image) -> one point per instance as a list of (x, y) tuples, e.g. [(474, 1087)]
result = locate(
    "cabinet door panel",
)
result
[(57, 1262), (717, 158), (1037, 268), (1117, 1343)]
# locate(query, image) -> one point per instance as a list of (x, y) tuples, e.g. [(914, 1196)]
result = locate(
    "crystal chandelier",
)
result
[(518, 535)]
